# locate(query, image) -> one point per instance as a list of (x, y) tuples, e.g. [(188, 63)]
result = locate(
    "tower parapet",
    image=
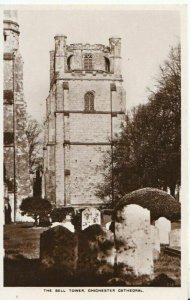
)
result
[(115, 49), (10, 31), (85, 59)]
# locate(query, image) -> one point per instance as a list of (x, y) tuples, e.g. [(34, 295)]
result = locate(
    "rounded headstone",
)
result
[(58, 249), (96, 252), (164, 227)]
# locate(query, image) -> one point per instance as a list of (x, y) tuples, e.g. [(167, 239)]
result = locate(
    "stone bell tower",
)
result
[(16, 159), (85, 108)]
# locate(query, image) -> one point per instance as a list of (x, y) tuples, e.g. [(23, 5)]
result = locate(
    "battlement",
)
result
[(10, 31), (94, 47), (80, 59)]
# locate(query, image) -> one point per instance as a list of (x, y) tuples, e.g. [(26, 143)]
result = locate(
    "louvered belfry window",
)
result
[(88, 61), (89, 101)]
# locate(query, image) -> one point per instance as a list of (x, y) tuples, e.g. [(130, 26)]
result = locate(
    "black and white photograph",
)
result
[(93, 189)]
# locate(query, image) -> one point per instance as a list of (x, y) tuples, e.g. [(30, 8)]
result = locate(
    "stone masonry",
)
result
[(84, 109), (16, 160)]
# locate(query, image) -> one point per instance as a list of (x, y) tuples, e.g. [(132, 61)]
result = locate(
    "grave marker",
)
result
[(133, 240), (175, 238), (164, 227), (90, 216)]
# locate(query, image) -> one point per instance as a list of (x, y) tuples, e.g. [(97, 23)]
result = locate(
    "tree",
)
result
[(33, 133), (147, 152), (35, 207)]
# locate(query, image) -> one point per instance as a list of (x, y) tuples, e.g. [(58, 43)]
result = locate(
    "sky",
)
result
[(146, 37)]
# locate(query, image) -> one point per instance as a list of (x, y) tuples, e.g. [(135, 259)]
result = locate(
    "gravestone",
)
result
[(106, 248), (175, 238), (58, 249), (96, 253), (133, 241), (155, 242), (67, 223), (107, 225), (90, 216), (164, 227)]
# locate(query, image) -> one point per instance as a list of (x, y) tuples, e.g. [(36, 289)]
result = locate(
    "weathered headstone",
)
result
[(133, 241), (106, 248), (90, 216), (164, 227), (155, 242), (58, 249), (96, 253), (175, 238)]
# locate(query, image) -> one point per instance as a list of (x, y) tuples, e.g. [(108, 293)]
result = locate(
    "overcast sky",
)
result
[(146, 39)]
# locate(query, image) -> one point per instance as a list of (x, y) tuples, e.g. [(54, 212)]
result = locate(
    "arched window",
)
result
[(88, 61), (89, 101), (69, 59), (107, 64)]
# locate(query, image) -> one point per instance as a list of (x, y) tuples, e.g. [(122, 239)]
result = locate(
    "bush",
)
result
[(35, 207)]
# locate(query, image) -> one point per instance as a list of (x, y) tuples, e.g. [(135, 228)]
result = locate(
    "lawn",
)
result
[(22, 239), (22, 267)]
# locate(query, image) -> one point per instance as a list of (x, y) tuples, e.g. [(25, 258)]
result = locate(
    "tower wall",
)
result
[(16, 149), (83, 134)]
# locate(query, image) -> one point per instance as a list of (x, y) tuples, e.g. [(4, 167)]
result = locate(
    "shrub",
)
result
[(35, 207)]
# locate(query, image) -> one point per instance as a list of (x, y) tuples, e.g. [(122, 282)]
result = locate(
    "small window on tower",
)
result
[(107, 64), (89, 101), (88, 61), (69, 60), (5, 37)]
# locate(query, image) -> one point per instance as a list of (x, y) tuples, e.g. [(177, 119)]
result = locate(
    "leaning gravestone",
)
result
[(90, 216), (58, 249), (133, 241), (155, 242), (164, 227), (175, 238)]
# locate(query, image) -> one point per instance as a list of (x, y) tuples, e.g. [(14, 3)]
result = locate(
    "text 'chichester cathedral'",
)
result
[(84, 110)]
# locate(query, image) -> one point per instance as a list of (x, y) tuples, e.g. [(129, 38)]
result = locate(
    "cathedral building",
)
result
[(16, 159), (84, 110)]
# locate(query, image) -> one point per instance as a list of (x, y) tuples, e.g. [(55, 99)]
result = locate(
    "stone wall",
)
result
[(83, 184)]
